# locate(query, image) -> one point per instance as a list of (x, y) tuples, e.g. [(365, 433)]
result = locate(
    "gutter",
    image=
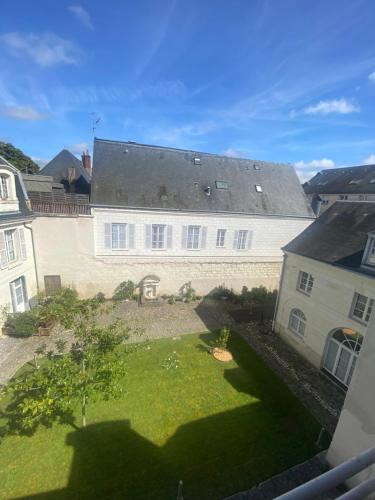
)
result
[(34, 256), (278, 295)]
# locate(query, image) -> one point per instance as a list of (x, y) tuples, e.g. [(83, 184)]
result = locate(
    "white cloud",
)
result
[(306, 170), (234, 153), (24, 113), (45, 50), (42, 162), (340, 106), (82, 15), (79, 148), (370, 160), (371, 77)]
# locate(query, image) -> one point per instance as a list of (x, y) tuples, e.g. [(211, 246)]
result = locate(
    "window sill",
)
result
[(159, 249), (358, 320), (297, 336), (303, 292)]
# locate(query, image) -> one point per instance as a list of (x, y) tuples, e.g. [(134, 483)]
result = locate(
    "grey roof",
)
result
[(35, 182), (349, 180), (339, 236), (58, 167), (127, 174)]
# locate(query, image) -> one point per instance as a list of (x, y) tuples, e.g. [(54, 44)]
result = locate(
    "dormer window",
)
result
[(370, 254), (258, 188), (4, 191)]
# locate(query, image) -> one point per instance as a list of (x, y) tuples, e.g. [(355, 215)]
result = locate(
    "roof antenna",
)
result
[(95, 121)]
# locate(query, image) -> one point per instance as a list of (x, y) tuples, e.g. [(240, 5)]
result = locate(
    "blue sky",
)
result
[(290, 81)]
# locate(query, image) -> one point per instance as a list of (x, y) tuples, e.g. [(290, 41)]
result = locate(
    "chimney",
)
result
[(86, 161)]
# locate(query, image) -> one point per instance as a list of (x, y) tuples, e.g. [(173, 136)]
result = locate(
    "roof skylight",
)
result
[(222, 184), (258, 188)]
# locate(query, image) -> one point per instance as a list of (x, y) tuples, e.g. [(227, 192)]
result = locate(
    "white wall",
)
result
[(355, 431), (73, 247), (328, 307), (330, 199)]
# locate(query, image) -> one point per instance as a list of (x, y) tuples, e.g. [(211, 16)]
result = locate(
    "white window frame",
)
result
[(10, 245), (242, 239), (158, 236), (220, 238), (193, 237), (367, 308), (116, 230), (4, 187), (341, 347), (369, 259), (305, 282), (300, 328)]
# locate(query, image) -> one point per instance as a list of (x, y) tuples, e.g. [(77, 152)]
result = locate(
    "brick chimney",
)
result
[(86, 161)]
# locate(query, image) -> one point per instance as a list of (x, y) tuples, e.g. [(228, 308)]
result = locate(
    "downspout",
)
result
[(278, 295), (34, 255)]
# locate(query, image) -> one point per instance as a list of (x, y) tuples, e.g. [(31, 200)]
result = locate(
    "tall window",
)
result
[(241, 242), (362, 307), (10, 246), (118, 236), (220, 237), (305, 282), (297, 322), (158, 236), (193, 235), (4, 193), (341, 354), (370, 258)]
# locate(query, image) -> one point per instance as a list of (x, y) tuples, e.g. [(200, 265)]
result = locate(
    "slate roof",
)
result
[(58, 167), (127, 174), (349, 180), (339, 236)]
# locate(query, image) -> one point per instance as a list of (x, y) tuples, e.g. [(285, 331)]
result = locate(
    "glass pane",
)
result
[(351, 371), (343, 364), (329, 362)]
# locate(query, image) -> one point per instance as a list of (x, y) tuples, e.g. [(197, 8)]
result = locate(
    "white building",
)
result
[(18, 283), (178, 215), (327, 288)]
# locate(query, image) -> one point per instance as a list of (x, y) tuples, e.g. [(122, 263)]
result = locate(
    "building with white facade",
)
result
[(327, 288), (18, 282)]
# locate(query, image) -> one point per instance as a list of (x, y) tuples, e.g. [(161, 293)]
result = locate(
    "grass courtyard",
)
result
[(220, 427)]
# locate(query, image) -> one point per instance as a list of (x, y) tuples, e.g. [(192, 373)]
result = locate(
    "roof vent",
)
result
[(256, 167), (207, 191), (258, 188), (372, 181), (197, 161), (354, 181)]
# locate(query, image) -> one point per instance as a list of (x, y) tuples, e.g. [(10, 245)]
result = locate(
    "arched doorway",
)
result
[(342, 350)]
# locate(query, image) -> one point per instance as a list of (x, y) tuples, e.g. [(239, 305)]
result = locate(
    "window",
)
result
[(341, 354), (118, 236), (193, 234), (241, 242), (362, 307), (305, 282), (19, 296), (370, 258), (372, 181), (4, 193), (222, 184), (197, 161), (256, 167), (158, 236), (258, 188), (297, 322), (343, 197), (10, 245), (220, 237), (354, 181)]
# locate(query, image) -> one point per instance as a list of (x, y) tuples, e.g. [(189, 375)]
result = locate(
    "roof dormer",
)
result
[(368, 259), (8, 196)]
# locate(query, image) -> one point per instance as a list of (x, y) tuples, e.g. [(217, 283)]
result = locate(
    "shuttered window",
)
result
[(119, 236)]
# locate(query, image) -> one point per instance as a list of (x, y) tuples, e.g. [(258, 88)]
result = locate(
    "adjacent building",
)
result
[(67, 169), (343, 184), (18, 281), (327, 288)]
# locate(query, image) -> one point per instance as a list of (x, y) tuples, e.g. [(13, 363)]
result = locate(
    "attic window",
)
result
[(372, 181), (354, 181), (258, 188), (222, 184), (256, 167), (197, 161), (322, 183)]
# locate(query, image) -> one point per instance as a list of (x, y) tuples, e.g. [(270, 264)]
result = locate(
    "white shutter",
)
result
[(13, 295), (131, 228), (3, 251), (184, 236), (17, 245), (203, 236), (148, 230), (169, 236), (235, 240), (22, 243), (107, 235), (249, 239)]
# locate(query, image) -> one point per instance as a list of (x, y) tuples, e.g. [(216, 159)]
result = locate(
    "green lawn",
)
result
[(220, 427)]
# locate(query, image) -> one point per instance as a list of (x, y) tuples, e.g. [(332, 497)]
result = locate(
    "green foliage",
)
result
[(100, 297), (171, 362), (187, 292), (171, 299), (256, 296), (23, 324), (124, 291), (223, 338), (17, 158)]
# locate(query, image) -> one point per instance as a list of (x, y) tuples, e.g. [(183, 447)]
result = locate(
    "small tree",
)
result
[(91, 369), (223, 338)]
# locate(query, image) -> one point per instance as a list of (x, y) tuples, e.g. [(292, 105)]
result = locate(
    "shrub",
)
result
[(124, 291), (23, 324), (171, 299), (100, 297), (223, 338), (187, 292)]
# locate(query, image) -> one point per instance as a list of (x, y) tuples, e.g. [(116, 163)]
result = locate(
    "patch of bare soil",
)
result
[(221, 354)]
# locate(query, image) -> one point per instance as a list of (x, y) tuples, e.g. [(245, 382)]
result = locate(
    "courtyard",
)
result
[(218, 427)]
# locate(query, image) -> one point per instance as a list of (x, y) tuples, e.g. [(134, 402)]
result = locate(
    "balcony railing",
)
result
[(59, 203)]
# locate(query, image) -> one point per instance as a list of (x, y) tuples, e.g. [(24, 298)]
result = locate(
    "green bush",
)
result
[(23, 324), (187, 292), (100, 297), (223, 338), (124, 291)]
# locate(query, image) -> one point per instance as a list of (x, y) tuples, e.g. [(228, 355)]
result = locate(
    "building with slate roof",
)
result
[(18, 281), (345, 184), (327, 288), (67, 169)]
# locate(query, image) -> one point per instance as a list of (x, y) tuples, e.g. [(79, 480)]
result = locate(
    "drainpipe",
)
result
[(278, 295), (34, 255)]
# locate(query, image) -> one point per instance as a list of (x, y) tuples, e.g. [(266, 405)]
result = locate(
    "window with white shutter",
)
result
[(22, 244), (3, 251), (119, 236)]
